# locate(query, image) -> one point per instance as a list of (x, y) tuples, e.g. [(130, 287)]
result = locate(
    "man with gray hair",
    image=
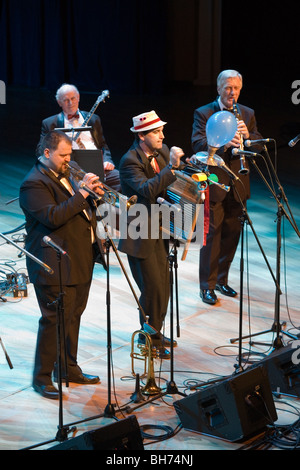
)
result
[(225, 209), (68, 97)]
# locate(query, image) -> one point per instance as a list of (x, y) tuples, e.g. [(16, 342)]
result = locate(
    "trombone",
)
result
[(110, 196)]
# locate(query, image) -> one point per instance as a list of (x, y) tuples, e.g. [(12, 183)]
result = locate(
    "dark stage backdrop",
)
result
[(96, 44), (159, 54), (138, 46)]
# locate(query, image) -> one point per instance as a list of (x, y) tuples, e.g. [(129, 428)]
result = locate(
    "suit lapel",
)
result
[(45, 171), (145, 162)]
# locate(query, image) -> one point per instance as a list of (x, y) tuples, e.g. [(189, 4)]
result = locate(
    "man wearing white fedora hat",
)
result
[(146, 170)]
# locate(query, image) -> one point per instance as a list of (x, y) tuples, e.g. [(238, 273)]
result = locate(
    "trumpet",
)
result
[(243, 170), (147, 354), (110, 196)]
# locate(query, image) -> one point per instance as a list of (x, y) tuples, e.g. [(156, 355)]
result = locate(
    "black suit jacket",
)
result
[(138, 178), (199, 144), (57, 121), (51, 210)]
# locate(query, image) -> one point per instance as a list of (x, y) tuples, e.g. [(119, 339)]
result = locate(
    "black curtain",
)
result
[(96, 44)]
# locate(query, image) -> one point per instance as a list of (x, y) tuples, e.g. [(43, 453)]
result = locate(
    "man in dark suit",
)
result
[(55, 208), (68, 97), (146, 170), (225, 207)]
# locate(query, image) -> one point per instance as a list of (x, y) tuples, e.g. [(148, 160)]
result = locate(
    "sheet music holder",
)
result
[(90, 161)]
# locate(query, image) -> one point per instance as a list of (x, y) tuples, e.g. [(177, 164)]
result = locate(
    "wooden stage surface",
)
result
[(204, 351)]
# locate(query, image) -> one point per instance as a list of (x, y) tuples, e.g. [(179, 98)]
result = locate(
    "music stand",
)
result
[(91, 161)]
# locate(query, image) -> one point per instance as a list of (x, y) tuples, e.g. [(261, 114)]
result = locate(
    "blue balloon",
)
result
[(220, 128)]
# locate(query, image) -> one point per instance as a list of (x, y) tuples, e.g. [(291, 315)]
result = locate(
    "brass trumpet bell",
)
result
[(146, 353), (110, 196)]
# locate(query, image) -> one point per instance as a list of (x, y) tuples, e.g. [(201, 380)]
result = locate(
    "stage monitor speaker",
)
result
[(233, 409), (283, 370), (122, 435)]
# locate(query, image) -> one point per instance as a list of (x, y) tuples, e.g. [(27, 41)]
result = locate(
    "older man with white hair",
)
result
[(225, 207), (68, 98)]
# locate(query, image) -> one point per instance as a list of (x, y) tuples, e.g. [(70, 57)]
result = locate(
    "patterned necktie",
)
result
[(73, 116), (154, 164)]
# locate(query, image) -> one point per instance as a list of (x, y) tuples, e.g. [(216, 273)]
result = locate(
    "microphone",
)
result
[(213, 179), (162, 201), (237, 151), (53, 245), (294, 141), (228, 170), (248, 142)]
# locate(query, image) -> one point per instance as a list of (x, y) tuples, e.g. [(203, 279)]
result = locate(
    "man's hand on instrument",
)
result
[(175, 154), (92, 182), (108, 166)]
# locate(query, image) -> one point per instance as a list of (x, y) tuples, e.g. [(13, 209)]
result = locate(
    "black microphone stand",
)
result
[(172, 257), (276, 327), (25, 252), (5, 352), (109, 410), (245, 218), (62, 433), (62, 430)]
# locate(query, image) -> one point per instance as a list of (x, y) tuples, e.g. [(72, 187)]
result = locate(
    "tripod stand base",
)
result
[(172, 389), (62, 433), (109, 411), (274, 329)]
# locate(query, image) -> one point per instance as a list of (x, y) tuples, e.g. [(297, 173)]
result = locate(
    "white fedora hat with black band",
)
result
[(146, 122)]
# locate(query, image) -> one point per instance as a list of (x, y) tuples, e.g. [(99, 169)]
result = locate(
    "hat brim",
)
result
[(148, 128)]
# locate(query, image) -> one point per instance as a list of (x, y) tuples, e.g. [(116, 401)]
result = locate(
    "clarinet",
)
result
[(243, 170)]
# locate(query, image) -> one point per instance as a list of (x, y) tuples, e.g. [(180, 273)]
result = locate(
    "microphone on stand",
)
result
[(53, 245), (237, 151), (228, 170), (294, 141), (248, 142), (162, 201)]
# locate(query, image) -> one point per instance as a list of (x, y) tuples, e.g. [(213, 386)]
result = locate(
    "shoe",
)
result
[(47, 391), (226, 290), (208, 296), (164, 340), (167, 341), (82, 378), (163, 353)]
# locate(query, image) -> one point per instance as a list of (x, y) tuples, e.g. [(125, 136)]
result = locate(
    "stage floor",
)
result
[(204, 351)]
